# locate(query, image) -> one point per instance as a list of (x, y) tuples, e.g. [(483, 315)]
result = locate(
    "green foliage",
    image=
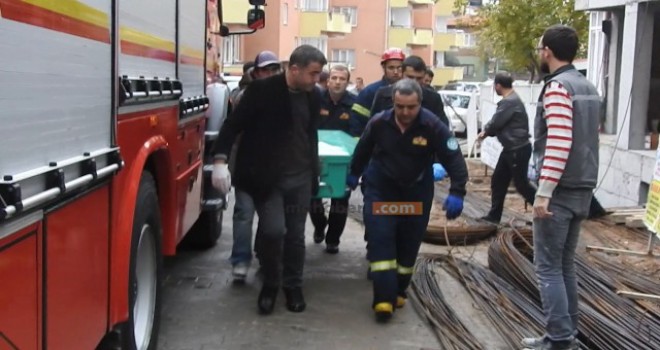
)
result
[(511, 29), (460, 6)]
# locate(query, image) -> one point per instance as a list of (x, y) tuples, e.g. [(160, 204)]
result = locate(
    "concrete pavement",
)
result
[(203, 309)]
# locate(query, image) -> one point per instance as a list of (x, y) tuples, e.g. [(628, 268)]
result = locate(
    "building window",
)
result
[(345, 56), (469, 40), (285, 14), (314, 5), (439, 59), (231, 49), (441, 24), (349, 12), (318, 42), (401, 17)]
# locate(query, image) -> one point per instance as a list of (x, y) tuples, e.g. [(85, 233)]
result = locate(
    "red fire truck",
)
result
[(104, 107)]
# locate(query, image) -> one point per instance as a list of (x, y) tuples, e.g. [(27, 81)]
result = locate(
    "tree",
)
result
[(511, 29)]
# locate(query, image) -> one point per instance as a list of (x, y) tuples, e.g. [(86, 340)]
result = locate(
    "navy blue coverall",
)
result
[(334, 116), (396, 167), (361, 110)]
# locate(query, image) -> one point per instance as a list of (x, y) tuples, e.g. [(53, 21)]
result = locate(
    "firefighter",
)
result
[(336, 105), (395, 153), (391, 61), (414, 67)]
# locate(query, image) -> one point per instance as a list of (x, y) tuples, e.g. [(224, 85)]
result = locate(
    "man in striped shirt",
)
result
[(566, 157)]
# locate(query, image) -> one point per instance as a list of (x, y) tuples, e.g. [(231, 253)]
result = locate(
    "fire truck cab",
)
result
[(104, 110)]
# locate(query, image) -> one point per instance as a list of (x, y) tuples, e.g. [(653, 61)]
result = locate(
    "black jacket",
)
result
[(431, 100), (264, 117), (509, 123), (336, 116)]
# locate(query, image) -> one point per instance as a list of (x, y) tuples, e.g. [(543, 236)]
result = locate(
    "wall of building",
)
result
[(367, 39)]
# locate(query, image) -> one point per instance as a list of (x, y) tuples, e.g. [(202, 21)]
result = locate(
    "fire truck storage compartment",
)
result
[(21, 276)]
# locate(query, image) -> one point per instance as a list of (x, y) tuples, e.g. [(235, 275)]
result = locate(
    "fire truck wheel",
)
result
[(146, 272), (206, 231)]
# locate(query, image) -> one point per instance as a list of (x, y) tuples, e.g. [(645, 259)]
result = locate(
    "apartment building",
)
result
[(351, 32)]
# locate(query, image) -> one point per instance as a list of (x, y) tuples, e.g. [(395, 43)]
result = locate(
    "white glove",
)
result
[(221, 178)]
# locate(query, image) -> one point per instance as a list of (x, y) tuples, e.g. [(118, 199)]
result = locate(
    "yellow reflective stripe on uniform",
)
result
[(383, 265), (402, 270), (361, 110)]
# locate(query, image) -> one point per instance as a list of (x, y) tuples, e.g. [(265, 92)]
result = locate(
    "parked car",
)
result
[(456, 108), (463, 86)]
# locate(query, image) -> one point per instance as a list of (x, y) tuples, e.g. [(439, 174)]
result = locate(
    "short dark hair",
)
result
[(430, 73), (247, 65), (414, 62), (504, 79), (303, 55), (407, 87), (562, 40)]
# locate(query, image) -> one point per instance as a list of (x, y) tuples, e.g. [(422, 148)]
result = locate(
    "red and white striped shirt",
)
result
[(558, 107)]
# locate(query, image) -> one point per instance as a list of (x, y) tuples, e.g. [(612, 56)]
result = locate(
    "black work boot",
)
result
[(319, 235), (295, 301), (266, 301)]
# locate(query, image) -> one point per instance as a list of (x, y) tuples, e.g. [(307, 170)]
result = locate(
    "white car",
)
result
[(456, 106), (463, 86)]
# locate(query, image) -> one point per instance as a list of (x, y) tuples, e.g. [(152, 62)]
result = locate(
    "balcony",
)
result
[(235, 11), (315, 24), (444, 75), (448, 41), (413, 3), (444, 8), (402, 37)]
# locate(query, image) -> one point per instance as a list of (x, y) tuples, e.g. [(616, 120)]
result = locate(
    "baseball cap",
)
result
[(265, 58)]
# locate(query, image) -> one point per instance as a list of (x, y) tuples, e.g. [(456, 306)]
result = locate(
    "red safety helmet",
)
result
[(392, 54)]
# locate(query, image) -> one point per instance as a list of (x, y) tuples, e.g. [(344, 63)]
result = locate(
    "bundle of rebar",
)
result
[(607, 320)]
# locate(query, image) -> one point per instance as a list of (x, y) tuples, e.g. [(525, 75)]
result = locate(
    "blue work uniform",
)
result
[(334, 116), (396, 167), (361, 108)]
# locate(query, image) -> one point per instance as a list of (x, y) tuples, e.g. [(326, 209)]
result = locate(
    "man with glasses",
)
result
[(266, 64), (391, 61), (566, 158)]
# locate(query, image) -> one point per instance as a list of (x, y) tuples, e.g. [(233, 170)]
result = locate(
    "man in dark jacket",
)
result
[(414, 68), (511, 126), (394, 157), (336, 106), (277, 164)]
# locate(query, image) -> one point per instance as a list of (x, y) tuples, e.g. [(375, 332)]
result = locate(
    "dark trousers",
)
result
[(336, 220), (394, 239), (512, 164), (282, 216)]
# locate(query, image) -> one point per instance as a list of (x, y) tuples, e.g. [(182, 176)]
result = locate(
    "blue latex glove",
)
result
[(439, 172), (352, 181), (453, 206)]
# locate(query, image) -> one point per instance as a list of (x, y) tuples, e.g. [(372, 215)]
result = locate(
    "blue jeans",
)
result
[(555, 242), (244, 210)]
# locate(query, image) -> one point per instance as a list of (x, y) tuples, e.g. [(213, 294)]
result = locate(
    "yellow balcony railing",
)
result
[(447, 41), (402, 37), (398, 3), (235, 11), (422, 37), (444, 8), (399, 37), (442, 76), (414, 3), (315, 24)]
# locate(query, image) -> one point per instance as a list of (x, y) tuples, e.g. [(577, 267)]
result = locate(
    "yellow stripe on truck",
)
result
[(144, 39), (74, 9)]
